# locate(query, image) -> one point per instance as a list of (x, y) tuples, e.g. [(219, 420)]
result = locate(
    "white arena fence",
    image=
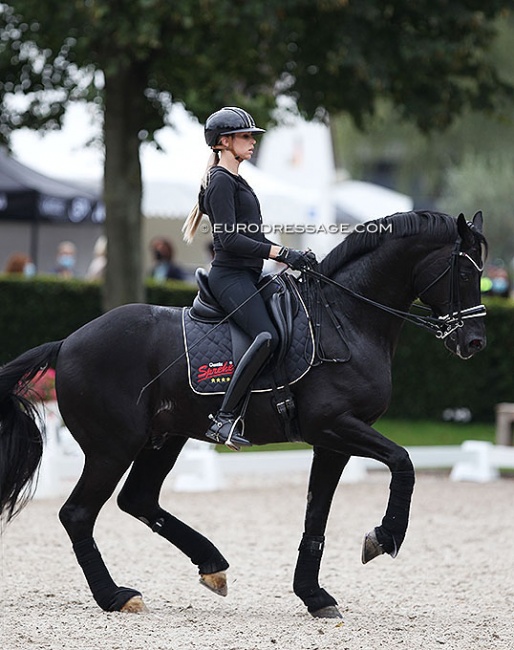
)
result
[(200, 468)]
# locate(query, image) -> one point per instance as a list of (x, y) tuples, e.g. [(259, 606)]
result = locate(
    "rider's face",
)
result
[(243, 145)]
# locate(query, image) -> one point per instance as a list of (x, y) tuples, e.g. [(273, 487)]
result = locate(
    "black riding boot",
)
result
[(227, 425)]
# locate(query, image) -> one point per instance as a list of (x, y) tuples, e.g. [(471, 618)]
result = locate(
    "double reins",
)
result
[(441, 326)]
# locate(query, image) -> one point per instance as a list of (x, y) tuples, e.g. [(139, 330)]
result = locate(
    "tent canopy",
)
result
[(27, 195), (359, 201)]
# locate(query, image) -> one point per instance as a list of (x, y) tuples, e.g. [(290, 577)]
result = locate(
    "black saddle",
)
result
[(281, 300), (214, 344)]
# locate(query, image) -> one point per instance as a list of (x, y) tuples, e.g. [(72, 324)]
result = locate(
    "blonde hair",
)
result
[(195, 216)]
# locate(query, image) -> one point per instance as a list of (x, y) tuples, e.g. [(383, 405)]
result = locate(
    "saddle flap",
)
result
[(281, 313)]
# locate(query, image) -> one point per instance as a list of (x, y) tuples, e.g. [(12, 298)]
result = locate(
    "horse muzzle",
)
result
[(466, 341)]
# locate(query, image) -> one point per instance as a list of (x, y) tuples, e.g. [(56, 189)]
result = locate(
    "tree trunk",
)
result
[(123, 188)]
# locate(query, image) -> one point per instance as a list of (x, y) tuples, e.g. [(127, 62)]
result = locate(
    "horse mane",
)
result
[(395, 226)]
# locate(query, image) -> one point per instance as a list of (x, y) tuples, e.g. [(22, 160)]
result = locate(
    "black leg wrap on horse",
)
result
[(198, 548), (107, 594), (391, 533), (305, 583)]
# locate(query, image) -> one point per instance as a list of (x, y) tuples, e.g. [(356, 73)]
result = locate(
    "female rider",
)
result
[(239, 250)]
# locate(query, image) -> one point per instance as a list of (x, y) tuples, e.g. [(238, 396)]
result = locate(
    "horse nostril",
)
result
[(476, 344)]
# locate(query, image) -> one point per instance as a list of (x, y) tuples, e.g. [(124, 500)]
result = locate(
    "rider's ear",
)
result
[(465, 232), (478, 221)]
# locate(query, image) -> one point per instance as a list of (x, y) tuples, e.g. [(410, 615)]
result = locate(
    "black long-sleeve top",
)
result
[(231, 203)]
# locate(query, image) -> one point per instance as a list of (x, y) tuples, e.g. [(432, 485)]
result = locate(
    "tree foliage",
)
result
[(485, 182), (467, 167), (134, 58)]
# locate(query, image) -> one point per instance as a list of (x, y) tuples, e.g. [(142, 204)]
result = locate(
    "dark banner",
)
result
[(30, 205)]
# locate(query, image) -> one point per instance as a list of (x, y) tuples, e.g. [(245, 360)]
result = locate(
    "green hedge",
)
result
[(49, 309), (427, 379)]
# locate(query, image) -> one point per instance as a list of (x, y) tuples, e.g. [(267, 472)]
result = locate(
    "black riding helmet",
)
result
[(226, 121)]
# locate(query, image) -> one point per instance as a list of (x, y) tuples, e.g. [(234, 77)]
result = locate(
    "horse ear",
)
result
[(478, 221), (465, 231)]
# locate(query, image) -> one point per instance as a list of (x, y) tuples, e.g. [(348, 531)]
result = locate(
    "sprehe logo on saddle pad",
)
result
[(210, 357), (215, 372)]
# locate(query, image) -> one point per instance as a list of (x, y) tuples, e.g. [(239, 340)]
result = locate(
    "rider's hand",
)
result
[(296, 260)]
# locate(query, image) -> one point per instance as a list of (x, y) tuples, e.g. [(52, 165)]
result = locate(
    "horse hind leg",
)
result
[(139, 497), (78, 516)]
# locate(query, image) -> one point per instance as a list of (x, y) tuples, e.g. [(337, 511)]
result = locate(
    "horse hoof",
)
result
[(327, 612), (370, 547), (216, 582), (134, 605)]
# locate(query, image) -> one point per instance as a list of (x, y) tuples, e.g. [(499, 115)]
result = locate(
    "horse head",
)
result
[(448, 281)]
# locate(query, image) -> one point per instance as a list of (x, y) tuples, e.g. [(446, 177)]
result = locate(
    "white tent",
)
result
[(295, 178), (301, 155), (357, 201)]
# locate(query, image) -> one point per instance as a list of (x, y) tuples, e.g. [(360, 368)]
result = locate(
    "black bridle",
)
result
[(441, 326)]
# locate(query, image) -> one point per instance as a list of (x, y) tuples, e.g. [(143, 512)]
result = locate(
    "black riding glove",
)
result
[(296, 260)]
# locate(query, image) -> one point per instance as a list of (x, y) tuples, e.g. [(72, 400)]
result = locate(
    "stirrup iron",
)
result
[(232, 438)]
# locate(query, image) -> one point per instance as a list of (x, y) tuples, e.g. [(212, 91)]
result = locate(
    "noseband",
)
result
[(445, 325), (441, 326)]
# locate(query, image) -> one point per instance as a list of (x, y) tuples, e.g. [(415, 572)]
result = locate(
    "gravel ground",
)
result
[(452, 585)]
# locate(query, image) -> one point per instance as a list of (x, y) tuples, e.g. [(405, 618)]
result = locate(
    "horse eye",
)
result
[(465, 277)]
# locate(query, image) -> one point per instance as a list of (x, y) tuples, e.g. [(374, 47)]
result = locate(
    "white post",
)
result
[(478, 466)]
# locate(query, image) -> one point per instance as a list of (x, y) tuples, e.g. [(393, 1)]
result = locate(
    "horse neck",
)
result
[(385, 274)]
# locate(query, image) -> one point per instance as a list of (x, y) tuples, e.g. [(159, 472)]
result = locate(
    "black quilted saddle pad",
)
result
[(210, 357)]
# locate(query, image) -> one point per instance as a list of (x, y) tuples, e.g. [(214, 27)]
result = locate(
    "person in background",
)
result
[(22, 264), (495, 280), (96, 268), (209, 255), (164, 266), (65, 260)]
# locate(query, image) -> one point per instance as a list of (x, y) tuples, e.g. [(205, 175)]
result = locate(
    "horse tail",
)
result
[(21, 438)]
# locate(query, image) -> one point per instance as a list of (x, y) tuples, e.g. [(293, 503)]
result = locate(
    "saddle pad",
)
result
[(210, 358)]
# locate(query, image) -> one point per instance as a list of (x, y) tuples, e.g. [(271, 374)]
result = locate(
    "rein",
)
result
[(441, 326)]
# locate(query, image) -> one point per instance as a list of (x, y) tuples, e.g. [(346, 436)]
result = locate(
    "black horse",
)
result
[(369, 281)]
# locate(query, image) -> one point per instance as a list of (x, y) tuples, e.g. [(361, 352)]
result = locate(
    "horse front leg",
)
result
[(350, 435), (389, 536), (327, 467)]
